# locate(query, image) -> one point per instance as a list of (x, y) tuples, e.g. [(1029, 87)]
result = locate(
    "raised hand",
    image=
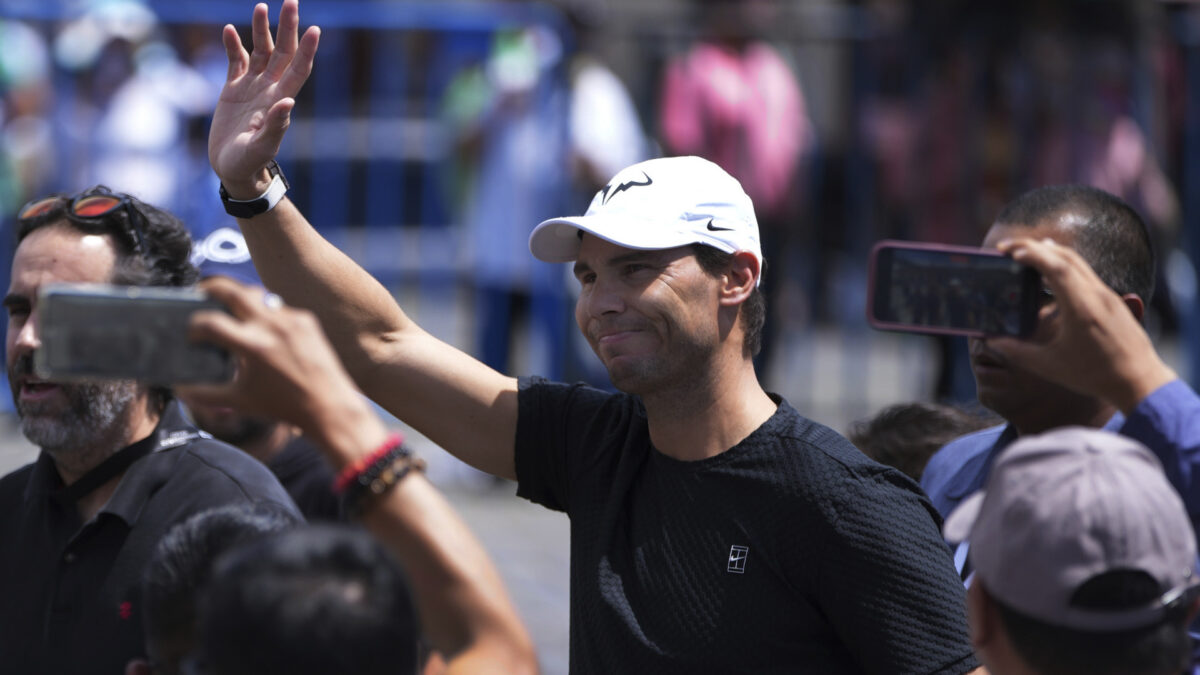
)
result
[(286, 368), (1089, 340), (255, 106)]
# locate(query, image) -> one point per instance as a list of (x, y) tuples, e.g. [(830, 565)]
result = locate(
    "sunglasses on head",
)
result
[(89, 207)]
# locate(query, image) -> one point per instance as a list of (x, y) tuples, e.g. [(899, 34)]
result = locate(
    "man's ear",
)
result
[(740, 279), (138, 667), (1136, 305)]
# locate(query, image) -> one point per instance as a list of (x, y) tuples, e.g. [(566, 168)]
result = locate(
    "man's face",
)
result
[(227, 424), (1003, 386), (58, 417), (651, 316)]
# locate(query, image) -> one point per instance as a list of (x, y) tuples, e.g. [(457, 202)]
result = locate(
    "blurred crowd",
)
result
[(847, 123)]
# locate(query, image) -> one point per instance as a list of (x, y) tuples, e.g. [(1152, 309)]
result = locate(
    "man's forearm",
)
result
[(295, 261)]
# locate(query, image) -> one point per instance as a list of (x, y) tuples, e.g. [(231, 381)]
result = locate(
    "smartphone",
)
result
[(97, 331), (955, 290)]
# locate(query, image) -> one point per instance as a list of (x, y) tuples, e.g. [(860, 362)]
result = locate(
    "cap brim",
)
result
[(557, 240), (957, 527)]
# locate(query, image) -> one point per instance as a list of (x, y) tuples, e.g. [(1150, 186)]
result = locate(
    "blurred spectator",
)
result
[(509, 116), (321, 600), (974, 104), (906, 435), (26, 138), (119, 464), (733, 99), (1085, 561), (181, 566), (290, 455), (133, 100)]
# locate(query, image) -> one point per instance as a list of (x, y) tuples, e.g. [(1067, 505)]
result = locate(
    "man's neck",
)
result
[(704, 419), (73, 465), (1095, 415)]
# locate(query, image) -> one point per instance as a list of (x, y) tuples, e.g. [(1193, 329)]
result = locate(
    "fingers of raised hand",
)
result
[(238, 58), (300, 65), (263, 46), (285, 39)]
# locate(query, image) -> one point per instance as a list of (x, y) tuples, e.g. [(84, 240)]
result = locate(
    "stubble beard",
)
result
[(93, 414)]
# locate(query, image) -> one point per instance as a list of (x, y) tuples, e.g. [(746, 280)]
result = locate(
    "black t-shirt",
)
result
[(71, 590), (790, 552), (308, 478)]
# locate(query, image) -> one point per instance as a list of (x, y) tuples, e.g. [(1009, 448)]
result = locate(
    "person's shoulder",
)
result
[(13, 484), (18, 476), (539, 393), (823, 444), (209, 461), (947, 461)]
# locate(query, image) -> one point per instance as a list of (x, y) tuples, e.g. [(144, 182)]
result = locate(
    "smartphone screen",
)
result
[(95, 331), (932, 288)]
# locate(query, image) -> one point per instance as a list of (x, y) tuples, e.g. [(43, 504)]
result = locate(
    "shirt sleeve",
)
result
[(888, 584), (540, 455), (1168, 422)]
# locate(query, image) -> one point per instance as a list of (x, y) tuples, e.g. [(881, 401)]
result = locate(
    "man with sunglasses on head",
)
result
[(713, 528), (118, 464)]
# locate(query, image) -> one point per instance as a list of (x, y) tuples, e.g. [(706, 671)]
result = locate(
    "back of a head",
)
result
[(322, 600), (906, 435), (1087, 552), (1113, 239), (182, 563)]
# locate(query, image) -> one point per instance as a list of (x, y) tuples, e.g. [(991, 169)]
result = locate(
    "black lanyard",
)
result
[(118, 462)]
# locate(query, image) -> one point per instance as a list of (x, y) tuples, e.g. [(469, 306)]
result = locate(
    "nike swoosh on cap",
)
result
[(714, 228)]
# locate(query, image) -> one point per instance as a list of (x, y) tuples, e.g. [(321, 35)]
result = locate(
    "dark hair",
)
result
[(1161, 649), (322, 599), (906, 435), (164, 258), (754, 310), (182, 563), (1114, 241)]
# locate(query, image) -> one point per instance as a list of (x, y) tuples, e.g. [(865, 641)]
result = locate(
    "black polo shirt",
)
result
[(308, 478), (70, 590)]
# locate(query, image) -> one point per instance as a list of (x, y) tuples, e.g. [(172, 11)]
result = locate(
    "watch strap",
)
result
[(262, 203)]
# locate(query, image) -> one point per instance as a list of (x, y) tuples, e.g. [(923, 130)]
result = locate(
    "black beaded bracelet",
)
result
[(379, 478)]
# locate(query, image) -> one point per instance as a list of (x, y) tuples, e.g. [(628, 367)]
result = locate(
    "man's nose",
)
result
[(27, 339), (603, 297)]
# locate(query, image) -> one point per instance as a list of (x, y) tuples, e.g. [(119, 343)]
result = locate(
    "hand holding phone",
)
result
[(99, 331), (955, 290)]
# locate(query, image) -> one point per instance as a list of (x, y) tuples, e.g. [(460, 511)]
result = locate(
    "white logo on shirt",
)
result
[(737, 559)]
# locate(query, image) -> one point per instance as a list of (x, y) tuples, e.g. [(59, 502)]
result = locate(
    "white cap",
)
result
[(659, 204)]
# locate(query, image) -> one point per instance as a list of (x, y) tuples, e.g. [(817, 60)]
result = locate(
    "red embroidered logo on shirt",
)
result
[(125, 610)]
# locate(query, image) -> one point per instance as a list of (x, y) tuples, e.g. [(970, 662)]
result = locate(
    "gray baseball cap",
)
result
[(1060, 508), (658, 204)]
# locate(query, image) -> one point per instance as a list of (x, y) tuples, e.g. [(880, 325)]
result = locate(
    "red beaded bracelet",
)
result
[(352, 471)]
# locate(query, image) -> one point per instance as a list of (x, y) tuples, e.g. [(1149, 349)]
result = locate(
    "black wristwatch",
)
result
[(264, 202)]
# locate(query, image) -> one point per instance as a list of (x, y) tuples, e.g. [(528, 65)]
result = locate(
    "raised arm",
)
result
[(459, 403), (288, 371)]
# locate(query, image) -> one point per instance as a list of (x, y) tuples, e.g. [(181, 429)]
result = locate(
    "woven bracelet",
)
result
[(378, 459)]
